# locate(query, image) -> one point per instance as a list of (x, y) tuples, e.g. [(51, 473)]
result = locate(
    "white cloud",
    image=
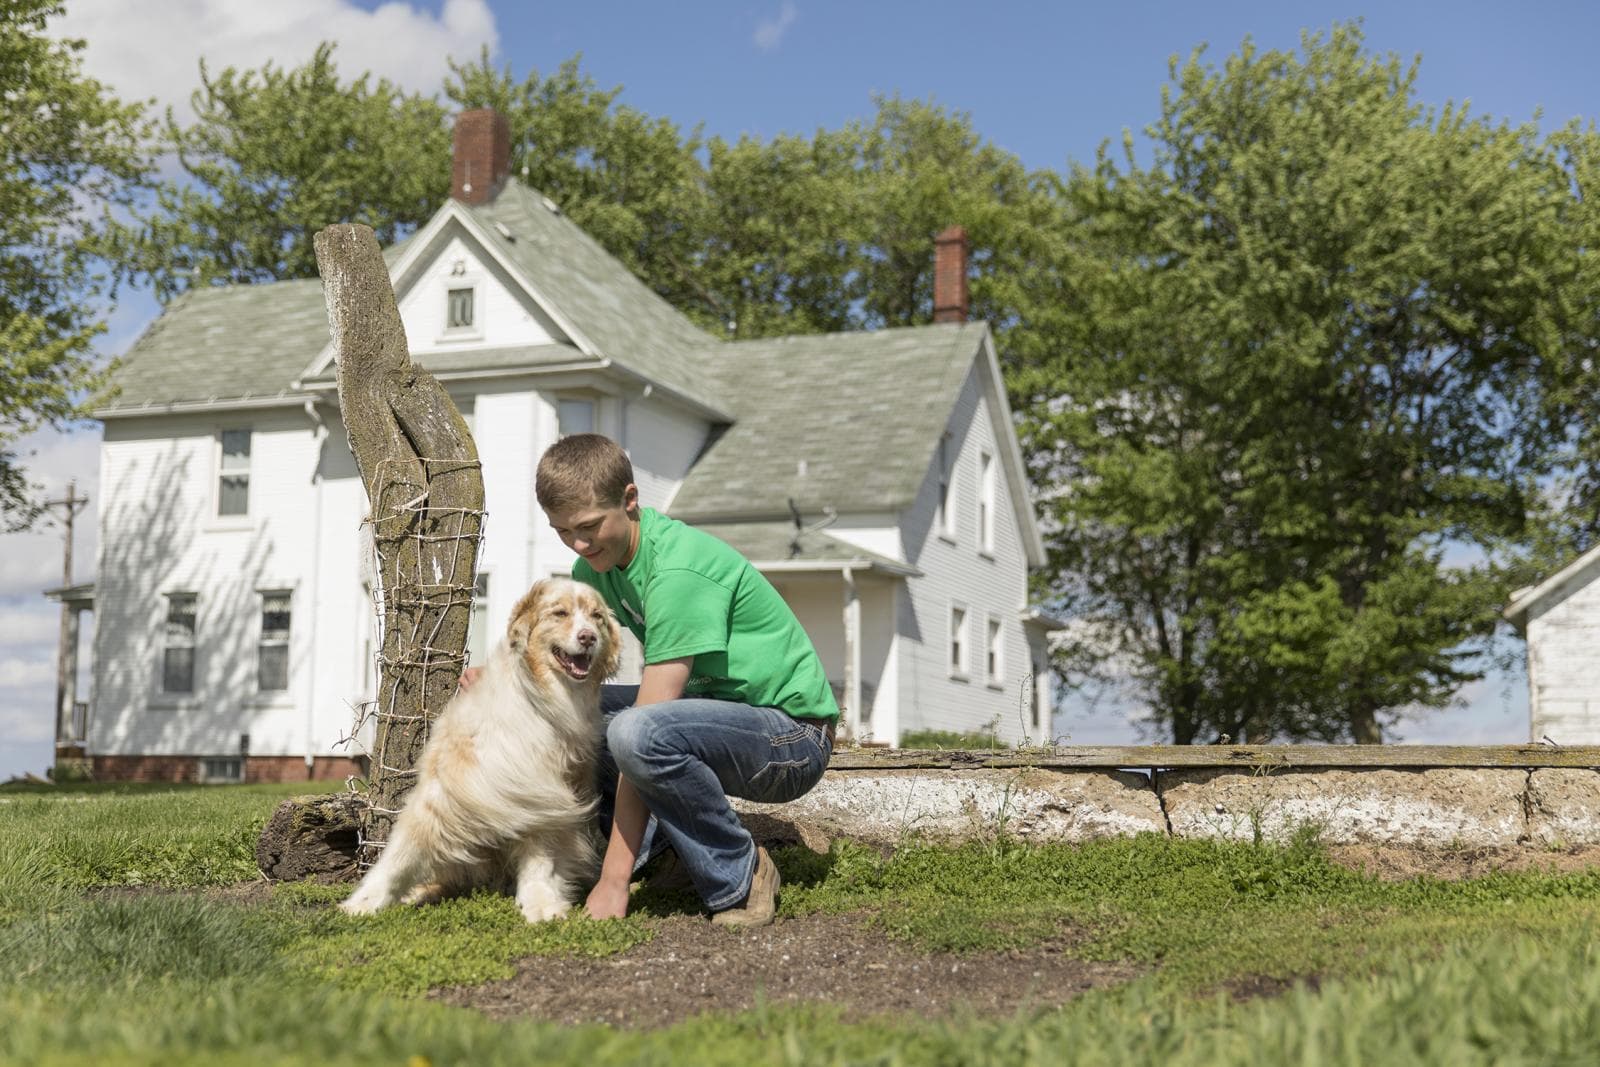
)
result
[(29, 674), (142, 56), (770, 33)]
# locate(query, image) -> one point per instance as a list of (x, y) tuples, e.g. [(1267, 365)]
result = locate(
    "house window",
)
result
[(222, 769), (574, 416), (958, 641), (994, 661), (177, 654), (233, 486), (478, 623), (986, 502), (458, 309), (947, 503), (272, 657)]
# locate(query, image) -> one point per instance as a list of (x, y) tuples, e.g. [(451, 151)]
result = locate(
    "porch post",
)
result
[(67, 678), (852, 657)]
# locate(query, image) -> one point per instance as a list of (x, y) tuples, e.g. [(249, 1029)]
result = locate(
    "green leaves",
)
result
[(1278, 367), (275, 155), (70, 156)]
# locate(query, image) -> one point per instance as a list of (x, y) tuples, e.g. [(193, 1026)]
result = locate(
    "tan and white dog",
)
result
[(506, 784)]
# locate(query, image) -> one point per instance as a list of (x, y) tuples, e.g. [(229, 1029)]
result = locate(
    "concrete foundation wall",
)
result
[(1437, 807)]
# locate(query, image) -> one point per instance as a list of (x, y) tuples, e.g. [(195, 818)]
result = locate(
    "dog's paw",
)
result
[(543, 910), (361, 903)]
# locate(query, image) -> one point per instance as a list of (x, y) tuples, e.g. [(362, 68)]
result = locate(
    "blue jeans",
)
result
[(685, 758)]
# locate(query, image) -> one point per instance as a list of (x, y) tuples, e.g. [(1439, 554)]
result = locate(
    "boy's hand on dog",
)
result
[(607, 901), (468, 677)]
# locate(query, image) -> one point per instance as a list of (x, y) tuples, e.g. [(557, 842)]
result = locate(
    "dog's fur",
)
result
[(506, 784)]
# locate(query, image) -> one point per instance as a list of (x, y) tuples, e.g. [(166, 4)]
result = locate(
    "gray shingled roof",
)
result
[(605, 301), (236, 341), (776, 542), (231, 341), (863, 411), (251, 341), (509, 360)]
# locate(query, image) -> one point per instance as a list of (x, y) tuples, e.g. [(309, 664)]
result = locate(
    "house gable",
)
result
[(1528, 604), (462, 299)]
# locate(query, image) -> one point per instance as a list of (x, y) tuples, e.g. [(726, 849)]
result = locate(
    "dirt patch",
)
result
[(1394, 864), (690, 967), (1260, 986), (258, 891)]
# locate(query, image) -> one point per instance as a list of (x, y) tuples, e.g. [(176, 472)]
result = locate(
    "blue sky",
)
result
[(1048, 82)]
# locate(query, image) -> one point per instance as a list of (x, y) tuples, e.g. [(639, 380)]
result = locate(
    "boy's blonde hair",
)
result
[(582, 470)]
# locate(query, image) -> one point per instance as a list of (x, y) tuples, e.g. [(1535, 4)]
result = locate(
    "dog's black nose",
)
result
[(586, 638)]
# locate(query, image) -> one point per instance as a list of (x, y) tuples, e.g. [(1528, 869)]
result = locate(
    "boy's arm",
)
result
[(609, 899)]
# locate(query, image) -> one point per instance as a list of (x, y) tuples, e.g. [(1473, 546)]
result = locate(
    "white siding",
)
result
[(662, 441), (1564, 667), (506, 432), (818, 603), (159, 535), (501, 319), (956, 572), (875, 533)]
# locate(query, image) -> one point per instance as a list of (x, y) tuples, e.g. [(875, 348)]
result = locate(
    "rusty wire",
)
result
[(392, 595)]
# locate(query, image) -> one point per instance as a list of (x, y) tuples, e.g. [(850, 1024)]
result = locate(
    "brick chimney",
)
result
[(482, 156), (950, 275)]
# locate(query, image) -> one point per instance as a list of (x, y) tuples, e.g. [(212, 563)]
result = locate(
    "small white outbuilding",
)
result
[(1560, 617)]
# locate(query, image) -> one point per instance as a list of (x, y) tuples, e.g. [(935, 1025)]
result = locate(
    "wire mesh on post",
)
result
[(420, 576)]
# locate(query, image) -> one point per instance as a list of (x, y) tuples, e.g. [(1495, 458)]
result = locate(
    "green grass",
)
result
[(56, 838), (950, 739), (1202, 912), (1494, 970)]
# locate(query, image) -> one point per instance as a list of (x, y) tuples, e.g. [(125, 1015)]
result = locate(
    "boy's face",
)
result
[(605, 535)]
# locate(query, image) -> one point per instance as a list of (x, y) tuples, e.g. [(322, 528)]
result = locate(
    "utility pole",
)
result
[(66, 652)]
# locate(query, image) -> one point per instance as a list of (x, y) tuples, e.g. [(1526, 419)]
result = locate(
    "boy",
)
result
[(733, 699)]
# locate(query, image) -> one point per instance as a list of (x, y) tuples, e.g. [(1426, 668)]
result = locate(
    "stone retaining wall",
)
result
[(1440, 807)]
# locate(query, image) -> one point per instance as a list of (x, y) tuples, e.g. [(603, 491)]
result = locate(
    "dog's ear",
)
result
[(517, 632), (523, 613)]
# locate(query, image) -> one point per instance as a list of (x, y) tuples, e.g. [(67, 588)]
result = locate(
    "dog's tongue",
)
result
[(576, 664)]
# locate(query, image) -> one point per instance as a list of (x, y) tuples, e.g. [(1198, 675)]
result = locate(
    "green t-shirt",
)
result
[(685, 593)]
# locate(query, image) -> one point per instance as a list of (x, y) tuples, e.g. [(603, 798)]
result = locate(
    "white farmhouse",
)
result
[(873, 477), (1560, 617)]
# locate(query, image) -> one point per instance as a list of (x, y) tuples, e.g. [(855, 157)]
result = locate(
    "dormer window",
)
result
[(459, 310)]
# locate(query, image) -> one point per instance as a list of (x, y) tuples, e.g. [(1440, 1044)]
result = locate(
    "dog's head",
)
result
[(562, 629)]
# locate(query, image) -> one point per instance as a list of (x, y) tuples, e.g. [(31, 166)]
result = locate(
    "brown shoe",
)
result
[(761, 906), (667, 871)]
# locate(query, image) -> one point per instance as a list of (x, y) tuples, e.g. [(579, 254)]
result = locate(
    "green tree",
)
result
[(274, 155), (779, 235), (926, 168), (1273, 374), (1572, 519), (72, 154), (836, 232)]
